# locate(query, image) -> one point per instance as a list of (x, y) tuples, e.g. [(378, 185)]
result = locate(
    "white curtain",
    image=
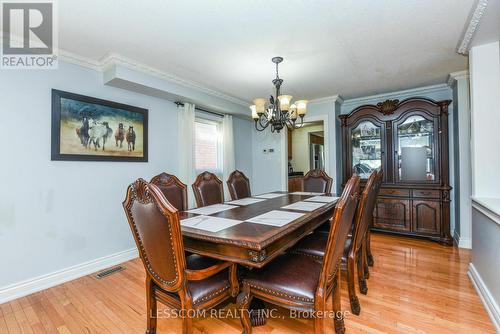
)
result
[(186, 149), (228, 165)]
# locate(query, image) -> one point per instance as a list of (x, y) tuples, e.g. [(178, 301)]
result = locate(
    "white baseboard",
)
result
[(465, 243), (462, 242), (30, 286), (489, 302)]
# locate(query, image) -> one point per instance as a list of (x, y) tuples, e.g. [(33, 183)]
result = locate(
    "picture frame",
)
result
[(85, 128)]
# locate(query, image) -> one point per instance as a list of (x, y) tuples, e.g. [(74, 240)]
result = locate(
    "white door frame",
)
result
[(284, 146)]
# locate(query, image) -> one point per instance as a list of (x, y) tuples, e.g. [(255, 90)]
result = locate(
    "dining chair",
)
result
[(318, 181), (173, 189), (369, 256), (208, 189), (182, 283), (354, 256), (238, 185), (299, 282)]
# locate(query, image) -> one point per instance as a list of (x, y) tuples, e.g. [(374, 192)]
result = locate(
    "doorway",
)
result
[(306, 150)]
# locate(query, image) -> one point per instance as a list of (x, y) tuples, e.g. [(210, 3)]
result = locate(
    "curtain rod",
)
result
[(200, 109)]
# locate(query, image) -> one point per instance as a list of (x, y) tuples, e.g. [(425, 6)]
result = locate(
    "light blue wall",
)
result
[(269, 168), (242, 130), (65, 213), (485, 257)]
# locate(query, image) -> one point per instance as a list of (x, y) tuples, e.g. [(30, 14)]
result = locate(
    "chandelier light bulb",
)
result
[(254, 112), (285, 101), (301, 107), (260, 106)]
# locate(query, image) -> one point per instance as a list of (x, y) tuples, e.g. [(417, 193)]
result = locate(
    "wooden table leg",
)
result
[(257, 313)]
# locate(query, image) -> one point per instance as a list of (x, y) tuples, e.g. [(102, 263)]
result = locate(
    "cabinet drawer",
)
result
[(394, 192), (426, 193)]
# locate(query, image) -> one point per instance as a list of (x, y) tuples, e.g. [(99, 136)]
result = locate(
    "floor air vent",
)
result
[(107, 272)]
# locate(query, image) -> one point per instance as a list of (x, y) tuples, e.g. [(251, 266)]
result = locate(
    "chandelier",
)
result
[(280, 112)]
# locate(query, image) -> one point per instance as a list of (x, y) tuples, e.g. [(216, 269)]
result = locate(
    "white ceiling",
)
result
[(352, 48)]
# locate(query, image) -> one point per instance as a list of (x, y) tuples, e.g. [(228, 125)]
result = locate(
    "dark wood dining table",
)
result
[(255, 245)]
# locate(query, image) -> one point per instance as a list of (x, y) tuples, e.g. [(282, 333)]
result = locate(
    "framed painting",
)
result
[(89, 129)]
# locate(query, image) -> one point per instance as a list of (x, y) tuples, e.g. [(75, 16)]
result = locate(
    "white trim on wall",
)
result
[(462, 242), (472, 23), (326, 127), (43, 282), (455, 76), (488, 206), (484, 293), (401, 95), (113, 59), (333, 98)]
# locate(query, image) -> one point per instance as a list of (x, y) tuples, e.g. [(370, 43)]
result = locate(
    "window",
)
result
[(208, 144)]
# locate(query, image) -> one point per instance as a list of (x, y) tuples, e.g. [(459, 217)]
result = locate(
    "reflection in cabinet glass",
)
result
[(366, 149), (416, 149)]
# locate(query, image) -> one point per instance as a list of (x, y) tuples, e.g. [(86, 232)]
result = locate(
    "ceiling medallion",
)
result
[(280, 112)]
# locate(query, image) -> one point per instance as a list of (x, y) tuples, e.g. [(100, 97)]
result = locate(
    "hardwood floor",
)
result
[(415, 286)]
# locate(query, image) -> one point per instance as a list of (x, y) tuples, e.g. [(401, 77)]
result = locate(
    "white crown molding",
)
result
[(399, 94), (455, 76), (116, 59), (75, 59), (487, 298), (43, 282), (471, 27), (333, 98)]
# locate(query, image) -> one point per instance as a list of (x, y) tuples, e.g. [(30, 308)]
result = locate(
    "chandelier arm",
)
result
[(301, 122), (263, 126), (257, 126)]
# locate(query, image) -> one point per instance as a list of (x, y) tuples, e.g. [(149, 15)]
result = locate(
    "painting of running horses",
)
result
[(86, 128)]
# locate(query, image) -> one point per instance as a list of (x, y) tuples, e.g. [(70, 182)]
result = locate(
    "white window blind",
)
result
[(208, 145)]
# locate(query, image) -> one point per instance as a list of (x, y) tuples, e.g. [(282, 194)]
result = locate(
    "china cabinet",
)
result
[(408, 140)]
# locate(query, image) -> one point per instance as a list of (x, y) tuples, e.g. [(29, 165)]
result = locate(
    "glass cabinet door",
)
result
[(366, 141), (415, 138)]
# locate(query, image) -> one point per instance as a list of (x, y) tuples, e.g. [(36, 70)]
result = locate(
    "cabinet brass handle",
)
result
[(425, 193)]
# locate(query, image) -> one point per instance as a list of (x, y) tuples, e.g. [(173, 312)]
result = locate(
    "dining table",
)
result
[(255, 245)]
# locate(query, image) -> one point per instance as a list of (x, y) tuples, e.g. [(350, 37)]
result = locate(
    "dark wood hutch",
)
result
[(408, 140)]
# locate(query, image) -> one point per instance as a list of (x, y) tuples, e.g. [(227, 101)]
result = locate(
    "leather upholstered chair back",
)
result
[(364, 213), (208, 189), (317, 181), (238, 185), (339, 230), (157, 233), (173, 189)]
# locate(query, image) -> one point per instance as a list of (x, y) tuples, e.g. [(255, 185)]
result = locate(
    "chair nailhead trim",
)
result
[(213, 294), (279, 293)]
